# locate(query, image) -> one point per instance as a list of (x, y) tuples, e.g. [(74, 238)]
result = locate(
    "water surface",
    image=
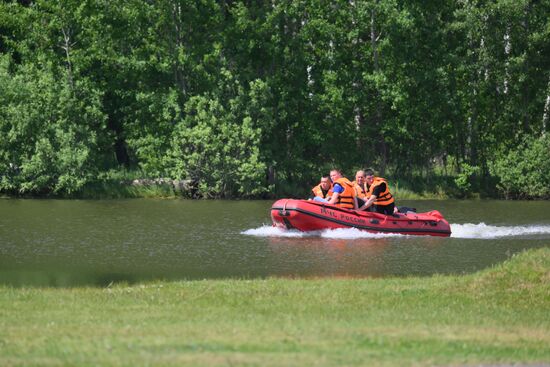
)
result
[(72, 243)]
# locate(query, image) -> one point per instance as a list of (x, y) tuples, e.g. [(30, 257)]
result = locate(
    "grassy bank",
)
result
[(122, 184), (116, 190), (496, 316), (402, 190)]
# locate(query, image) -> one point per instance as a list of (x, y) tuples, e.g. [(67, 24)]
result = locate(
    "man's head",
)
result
[(325, 182), (360, 177), (335, 174), (369, 176)]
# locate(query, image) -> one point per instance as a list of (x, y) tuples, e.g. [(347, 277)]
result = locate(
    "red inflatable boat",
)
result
[(306, 215)]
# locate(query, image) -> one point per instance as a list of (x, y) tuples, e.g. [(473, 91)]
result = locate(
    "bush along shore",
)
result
[(498, 316), (409, 188), (141, 188)]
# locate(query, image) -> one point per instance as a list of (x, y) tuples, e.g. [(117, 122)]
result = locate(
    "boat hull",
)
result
[(307, 215)]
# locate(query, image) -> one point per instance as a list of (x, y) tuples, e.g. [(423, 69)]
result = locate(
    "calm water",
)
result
[(68, 243)]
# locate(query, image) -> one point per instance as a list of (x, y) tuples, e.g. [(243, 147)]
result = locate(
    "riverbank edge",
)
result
[(172, 189), (495, 316)]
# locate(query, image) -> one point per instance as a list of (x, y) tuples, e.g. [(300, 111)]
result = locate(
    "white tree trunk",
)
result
[(67, 45), (507, 51), (546, 113)]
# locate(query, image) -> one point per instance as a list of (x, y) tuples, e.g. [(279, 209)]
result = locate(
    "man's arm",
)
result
[(336, 191), (334, 198), (369, 202)]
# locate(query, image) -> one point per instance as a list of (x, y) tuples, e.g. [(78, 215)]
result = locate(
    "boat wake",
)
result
[(468, 230), (342, 233), (485, 231)]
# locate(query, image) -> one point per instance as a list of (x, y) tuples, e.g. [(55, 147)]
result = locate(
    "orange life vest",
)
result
[(345, 198), (385, 198), (360, 191), (317, 191)]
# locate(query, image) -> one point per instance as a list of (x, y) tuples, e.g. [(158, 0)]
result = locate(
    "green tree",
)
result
[(524, 172), (49, 130), (217, 144)]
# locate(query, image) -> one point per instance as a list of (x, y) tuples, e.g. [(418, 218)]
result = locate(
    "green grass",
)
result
[(498, 316), (422, 188), (116, 190), (403, 193), (117, 184)]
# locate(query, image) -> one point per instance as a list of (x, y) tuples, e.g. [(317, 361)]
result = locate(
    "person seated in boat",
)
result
[(380, 199), (343, 194), (360, 187), (323, 191)]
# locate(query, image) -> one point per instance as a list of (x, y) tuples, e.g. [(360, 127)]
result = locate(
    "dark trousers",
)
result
[(384, 209)]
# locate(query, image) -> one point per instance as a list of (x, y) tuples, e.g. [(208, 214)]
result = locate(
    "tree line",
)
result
[(258, 98)]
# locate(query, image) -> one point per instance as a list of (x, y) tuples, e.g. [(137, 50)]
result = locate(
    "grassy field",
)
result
[(498, 316)]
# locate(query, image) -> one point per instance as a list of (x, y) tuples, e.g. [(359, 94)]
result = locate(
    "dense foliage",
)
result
[(525, 170), (248, 98)]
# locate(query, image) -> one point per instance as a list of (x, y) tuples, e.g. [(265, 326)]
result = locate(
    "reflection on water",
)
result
[(350, 252), (334, 257), (68, 243)]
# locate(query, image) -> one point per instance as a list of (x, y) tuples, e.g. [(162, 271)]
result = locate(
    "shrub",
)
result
[(217, 145), (524, 172), (464, 180)]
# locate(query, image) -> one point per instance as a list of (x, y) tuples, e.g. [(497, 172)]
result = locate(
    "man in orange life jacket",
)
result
[(343, 194), (380, 197), (360, 187), (323, 190)]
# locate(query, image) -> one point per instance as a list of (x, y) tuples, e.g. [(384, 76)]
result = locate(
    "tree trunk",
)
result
[(507, 51), (67, 47), (382, 146), (546, 113), (358, 88), (179, 44)]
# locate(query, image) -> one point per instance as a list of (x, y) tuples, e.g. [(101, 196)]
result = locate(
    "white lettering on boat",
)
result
[(352, 219), (328, 212)]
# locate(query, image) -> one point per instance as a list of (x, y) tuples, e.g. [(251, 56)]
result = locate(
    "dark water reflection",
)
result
[(70, 243)]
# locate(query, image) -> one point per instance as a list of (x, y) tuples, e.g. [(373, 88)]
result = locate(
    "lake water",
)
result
[(71, 242)]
